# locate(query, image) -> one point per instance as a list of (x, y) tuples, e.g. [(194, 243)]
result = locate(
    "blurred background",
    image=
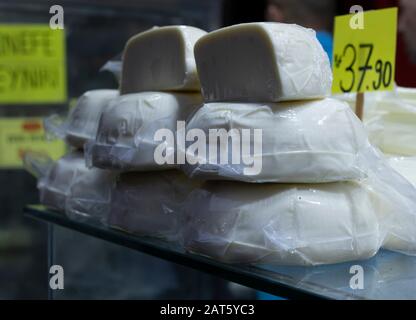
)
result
[(95, 32)]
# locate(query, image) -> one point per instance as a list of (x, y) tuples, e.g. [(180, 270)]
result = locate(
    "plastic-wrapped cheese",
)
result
[(161, 58), (406, 166), (150, 203), (392, 126), (126, 132), (83, 119), (398, 213), (81, 192), (390, 120), (265, 62), (305, 141), (284, 224), (407, 94)]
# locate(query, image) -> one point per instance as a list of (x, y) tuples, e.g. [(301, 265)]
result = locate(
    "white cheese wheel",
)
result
[(83, 119), (161, 58), (150, 203), (306, 141), (283, 224), (125, 136), (265, 62)]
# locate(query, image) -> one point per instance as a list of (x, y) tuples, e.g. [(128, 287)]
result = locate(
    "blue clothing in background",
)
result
[(325, 38)]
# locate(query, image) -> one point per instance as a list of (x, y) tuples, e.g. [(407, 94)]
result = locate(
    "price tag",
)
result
[(18, 135), (364, 59), (32, 64)]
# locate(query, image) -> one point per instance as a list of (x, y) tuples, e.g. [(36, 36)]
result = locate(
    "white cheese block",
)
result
[(126, 132), (283, 224), (398, 213), (307, 141), (406, 166), (265, 62), (392, 126), (407, 94), (161, 58), (80, 192), (390, 120), (150, 203), (83, 119)]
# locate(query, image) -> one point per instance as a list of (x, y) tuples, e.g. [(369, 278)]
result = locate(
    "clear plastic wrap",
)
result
[(114, 66), (390, 119), (306, 141), (392, 126), (160, 59), (406, 166), (307, 224), (151, 203), (126, 132), (283, 224), (264, 62), (81, 124), (399, 208), (69, 186)]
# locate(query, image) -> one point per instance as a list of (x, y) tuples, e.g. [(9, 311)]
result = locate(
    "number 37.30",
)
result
[(382, 69)]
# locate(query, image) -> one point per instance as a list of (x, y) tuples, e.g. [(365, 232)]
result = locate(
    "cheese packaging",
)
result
[(82, 121), (406, 166), (264, 62), (150, 203), (125, 138), (303, 142), (390, 119), (284, 224), (80, 192), (161, 59)]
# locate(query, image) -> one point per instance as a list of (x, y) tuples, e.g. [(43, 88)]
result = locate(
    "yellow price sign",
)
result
[(32, 64), (18, 135), (364, 55)]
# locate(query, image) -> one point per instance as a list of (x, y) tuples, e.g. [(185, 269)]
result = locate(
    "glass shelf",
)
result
[(388, 275)]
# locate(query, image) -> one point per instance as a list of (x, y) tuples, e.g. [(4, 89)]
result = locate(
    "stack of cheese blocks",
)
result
[(69, 185), (319, 197), (116, 128)]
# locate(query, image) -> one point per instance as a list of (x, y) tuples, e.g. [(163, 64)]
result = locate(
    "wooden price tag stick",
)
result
[(359, 105)]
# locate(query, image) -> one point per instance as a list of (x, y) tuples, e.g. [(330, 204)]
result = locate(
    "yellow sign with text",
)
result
[(18, 135), (365, 51), (32, 64)]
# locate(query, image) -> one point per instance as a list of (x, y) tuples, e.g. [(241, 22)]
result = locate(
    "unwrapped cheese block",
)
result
[(150, 203), (264, 62), (83, 119), (284, 224), (161, 58), (306, 141), (80, 192), (126, 133)]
